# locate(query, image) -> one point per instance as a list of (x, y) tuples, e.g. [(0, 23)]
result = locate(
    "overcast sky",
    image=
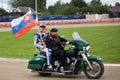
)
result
[(52, 2), (5, 5)]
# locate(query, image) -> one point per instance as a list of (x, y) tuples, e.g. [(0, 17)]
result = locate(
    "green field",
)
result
[(105, 42)]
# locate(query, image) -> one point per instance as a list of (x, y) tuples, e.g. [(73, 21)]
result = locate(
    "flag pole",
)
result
[(36, 51), (36, 12)]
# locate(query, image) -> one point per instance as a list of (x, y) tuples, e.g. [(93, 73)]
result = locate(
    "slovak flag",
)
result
[(22, 24)]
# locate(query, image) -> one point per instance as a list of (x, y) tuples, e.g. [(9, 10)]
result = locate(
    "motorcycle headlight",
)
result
[(88, 47)]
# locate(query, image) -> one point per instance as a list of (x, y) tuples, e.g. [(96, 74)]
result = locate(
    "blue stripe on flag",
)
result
[(16, 28)]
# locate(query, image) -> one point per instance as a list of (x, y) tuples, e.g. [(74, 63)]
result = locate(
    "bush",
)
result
[(70, 10), (2, 12)]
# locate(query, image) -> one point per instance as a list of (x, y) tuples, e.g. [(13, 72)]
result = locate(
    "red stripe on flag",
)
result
[(25, 29)]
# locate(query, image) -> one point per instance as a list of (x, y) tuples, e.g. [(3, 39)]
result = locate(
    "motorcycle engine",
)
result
[(56, 63)]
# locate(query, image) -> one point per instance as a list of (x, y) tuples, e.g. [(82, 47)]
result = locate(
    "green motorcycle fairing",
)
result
[(79, 44)]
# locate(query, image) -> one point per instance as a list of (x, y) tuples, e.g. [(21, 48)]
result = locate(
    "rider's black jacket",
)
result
[(54, 42)]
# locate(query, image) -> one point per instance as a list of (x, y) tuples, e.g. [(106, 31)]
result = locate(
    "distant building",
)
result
[(114, 11), (17, 12), (22, 9)]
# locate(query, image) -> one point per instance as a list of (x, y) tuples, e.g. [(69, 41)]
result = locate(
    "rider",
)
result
[(53, 41), (39, 42)]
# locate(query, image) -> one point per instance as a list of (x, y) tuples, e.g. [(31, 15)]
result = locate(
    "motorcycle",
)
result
[(77, 60)]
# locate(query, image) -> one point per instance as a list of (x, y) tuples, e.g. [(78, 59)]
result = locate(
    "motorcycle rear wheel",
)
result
[(45, 74), (97, 72)]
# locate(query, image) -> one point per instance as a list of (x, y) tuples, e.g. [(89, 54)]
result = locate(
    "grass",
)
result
[(105, 42)]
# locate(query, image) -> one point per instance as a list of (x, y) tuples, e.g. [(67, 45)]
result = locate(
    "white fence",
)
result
[(97, 16)]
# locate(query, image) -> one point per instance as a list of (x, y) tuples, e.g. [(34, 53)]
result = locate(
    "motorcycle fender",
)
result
[(93, 58), (36, 63), (90, 58)]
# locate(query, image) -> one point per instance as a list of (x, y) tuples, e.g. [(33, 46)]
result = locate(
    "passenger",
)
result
[(39, 42)]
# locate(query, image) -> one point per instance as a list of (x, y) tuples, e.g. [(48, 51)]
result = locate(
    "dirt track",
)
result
[(69, 25), (17, 70)]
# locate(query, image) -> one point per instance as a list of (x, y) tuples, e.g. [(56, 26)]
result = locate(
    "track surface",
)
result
[(17, 70)]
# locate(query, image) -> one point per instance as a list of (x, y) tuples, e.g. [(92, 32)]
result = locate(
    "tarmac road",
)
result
[(17, 70)]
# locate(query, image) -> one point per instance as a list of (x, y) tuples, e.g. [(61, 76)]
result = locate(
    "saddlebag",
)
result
[(36, 62)]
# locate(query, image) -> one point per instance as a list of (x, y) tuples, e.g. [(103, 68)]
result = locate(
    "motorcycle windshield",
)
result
[(76, 36)]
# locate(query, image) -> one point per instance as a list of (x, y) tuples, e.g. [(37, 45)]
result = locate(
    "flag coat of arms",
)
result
[(22, 24)]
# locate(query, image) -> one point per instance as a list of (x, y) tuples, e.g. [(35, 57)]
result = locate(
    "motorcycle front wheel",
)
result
[(97, 72)]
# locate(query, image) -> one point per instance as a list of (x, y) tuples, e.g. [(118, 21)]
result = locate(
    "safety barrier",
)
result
[(72, 21), (79, 21), (48, 18)]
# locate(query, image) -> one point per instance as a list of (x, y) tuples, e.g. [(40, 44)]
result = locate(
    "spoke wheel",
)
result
[(97, 72)]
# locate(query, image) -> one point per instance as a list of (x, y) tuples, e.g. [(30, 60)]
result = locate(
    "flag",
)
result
[(22, 24)]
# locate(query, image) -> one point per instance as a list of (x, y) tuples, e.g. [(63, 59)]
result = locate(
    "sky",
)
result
[(5, 3), (52, 2)]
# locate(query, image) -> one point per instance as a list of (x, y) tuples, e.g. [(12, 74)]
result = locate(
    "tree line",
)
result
[(72, 8)]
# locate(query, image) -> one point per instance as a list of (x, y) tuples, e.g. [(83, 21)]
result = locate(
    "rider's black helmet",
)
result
[(54, 30)]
